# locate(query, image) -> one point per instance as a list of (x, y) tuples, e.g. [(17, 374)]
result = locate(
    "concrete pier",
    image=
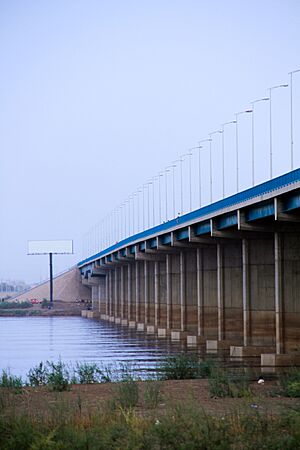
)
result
[(230, 281)]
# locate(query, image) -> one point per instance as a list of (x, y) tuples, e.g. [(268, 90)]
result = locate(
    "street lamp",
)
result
[(144, 224), (237, 144), (153, 199), (264, 99), (148, 187), (166, 191), (210, 160), (189, 154), (223, 154), (172, 166), (180, 160), (292, 131), (271, 149), (199, 166), (159, 194)]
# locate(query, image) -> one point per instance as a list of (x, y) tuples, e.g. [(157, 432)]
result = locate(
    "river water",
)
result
[(25, 341)]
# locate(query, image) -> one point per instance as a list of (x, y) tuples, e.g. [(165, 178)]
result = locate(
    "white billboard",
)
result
[(46, 247)]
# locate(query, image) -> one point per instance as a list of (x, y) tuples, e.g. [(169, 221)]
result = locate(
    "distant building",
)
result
[(10, 288)]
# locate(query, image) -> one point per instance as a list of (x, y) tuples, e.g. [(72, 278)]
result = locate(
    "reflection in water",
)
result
[(24, 342)]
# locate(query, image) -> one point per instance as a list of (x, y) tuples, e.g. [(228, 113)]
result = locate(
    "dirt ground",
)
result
[(93, 398)]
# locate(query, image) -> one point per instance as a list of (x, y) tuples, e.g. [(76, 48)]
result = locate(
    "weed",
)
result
[(152, 393), (87, 373), (38, 375), (127, 394), (182, 366), (7, 380), (15, 305), (290, 383), (58, 376), (224, 384)]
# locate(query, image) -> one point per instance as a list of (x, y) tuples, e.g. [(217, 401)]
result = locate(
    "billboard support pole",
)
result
[(51, 279)]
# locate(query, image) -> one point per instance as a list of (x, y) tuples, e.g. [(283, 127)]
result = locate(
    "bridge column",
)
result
[(246, 292), (137, 291), (278, 292), (116, 300), (122, 292), (169, 290), (146, 287), (156, 292), (110, 293), (182, 292), (100, 296), (106, 295), (220, 292), (129, 292), (200, 308)]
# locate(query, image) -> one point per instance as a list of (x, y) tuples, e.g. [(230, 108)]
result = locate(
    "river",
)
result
[(25, 341)]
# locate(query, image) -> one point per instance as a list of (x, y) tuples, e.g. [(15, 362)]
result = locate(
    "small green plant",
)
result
[(152, 393), (58, 376), (7, 380), (224, 384), (15, 305), (45, 303), (38, 375), (290, 383), (127, 395), (183, 366), (87, 373), (105, 374)]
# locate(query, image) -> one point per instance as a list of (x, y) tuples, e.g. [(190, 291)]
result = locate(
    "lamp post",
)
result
[(210, 160), (180, 160), (223, 154), (264, 99), (133, 213), (199, 167), (237, 144), (189, 154), (159, 195), (138, 208), (172, 166), (153, 199), (166, 191), (148, 187), (271, 149), (144, 224), (291, 105)]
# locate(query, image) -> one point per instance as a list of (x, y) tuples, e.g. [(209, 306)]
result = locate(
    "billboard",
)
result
[(46, 247)]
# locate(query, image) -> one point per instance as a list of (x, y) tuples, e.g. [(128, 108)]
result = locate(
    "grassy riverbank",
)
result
[(27, 309), (212, 409)]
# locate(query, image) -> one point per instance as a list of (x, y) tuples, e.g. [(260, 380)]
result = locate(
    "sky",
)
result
[(97, 97)]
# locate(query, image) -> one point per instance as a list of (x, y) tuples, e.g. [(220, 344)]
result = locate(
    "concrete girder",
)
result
[(143, 256), (166, 248), (183, 245), (246, 226), (97, 271), (237, 234), (281, 215), (128, 258), (205, 240)]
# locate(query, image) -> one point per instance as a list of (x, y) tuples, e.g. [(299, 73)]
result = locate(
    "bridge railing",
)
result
[(221, 165)]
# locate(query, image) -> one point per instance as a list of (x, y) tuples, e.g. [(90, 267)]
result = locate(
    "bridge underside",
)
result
[(228, 279)]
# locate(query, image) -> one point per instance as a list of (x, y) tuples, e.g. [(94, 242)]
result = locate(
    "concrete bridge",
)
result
[(226, 275)]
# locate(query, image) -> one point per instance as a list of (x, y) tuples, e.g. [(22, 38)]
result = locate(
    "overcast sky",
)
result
[(98, 96)]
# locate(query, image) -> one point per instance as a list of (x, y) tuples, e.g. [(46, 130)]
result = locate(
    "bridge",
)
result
[(226, 275)]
